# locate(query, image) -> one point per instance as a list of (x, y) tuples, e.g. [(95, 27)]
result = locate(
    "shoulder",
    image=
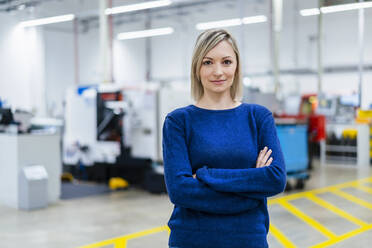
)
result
[(178, 115), (260, 113), (259, 110), (178, 112)]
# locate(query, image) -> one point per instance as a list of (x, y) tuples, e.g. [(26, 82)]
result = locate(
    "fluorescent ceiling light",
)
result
[(310, 12), (254, 19), (145, 33), (219, 24), (138, 6), (49, 20), (231, 22), (336, 8), (344, 7)]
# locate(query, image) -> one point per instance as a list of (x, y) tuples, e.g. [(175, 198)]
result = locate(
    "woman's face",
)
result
[(218, 68)]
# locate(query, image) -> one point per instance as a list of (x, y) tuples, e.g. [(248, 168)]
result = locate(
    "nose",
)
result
[(217, 70)]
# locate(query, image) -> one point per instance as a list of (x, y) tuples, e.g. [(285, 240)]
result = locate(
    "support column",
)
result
[(361, 50), (105, 43), (276, 27), (148, 55), (242, 37), (76, 51), (320, 48)]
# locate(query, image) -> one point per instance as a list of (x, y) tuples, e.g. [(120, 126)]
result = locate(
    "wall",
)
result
[(59, 68), (21, 66), (129, 56)]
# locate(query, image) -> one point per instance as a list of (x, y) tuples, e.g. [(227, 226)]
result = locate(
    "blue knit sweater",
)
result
[(225, 206)]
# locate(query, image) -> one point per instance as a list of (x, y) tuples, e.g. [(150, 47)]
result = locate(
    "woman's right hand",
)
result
[(264, 158)]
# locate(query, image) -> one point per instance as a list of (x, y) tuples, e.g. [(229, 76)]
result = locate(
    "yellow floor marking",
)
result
[(281, 237), (335, 210), (352, 198), (363, 188), (122, 241), (318, 191), (146, 232), (307, 219), (343, 237), (102, 243)]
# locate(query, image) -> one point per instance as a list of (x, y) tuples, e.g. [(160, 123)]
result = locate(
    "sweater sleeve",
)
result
[(186, 191), (252, 182)]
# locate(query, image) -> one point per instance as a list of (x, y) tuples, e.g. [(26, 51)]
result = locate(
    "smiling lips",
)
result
[(218, 82)]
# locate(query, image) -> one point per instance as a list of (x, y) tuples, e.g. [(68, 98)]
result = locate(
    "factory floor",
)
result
[(318, 216)]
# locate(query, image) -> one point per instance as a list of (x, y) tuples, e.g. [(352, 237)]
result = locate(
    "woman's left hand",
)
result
[(264, 158)]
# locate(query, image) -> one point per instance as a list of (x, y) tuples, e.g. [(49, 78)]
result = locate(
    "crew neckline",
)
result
[(217, 110)]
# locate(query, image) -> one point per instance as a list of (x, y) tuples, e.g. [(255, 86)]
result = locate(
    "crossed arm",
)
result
[(211, 192), (267, 179)]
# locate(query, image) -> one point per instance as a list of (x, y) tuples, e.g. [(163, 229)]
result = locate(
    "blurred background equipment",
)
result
[(33, 188), (6, 116), (116, 132)]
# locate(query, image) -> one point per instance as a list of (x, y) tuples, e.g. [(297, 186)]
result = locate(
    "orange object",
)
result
[(309, 103)]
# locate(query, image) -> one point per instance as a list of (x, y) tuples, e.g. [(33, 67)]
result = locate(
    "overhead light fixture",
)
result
[(48, 20), (145, 33), (345, 7), (336, 8), (138, 6), (219, 24), (231, 22), (254, 19), (310, 12)]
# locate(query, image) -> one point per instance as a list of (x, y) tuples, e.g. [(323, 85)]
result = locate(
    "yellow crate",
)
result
[(350, 133), (365, 113)]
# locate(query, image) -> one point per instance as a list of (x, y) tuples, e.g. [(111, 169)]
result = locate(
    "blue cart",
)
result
[(294, 143)]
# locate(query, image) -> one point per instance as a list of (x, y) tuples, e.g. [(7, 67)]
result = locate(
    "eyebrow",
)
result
[(222, 58)]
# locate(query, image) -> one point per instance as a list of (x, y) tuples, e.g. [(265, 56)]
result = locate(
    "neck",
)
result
[(217, 101)]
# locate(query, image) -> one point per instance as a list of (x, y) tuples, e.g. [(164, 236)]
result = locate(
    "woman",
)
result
[(222, 158)]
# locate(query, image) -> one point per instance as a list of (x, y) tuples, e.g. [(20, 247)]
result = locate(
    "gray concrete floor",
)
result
[(78, 222)]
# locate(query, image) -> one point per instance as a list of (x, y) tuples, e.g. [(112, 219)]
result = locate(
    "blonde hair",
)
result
[(205, 42)]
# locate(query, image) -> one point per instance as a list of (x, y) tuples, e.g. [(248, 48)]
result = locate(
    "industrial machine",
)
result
[(91, 128), (149, 107), (116, 131), (93, 136)]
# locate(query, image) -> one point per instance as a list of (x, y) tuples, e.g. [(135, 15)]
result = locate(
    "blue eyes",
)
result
[(225, 62)]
